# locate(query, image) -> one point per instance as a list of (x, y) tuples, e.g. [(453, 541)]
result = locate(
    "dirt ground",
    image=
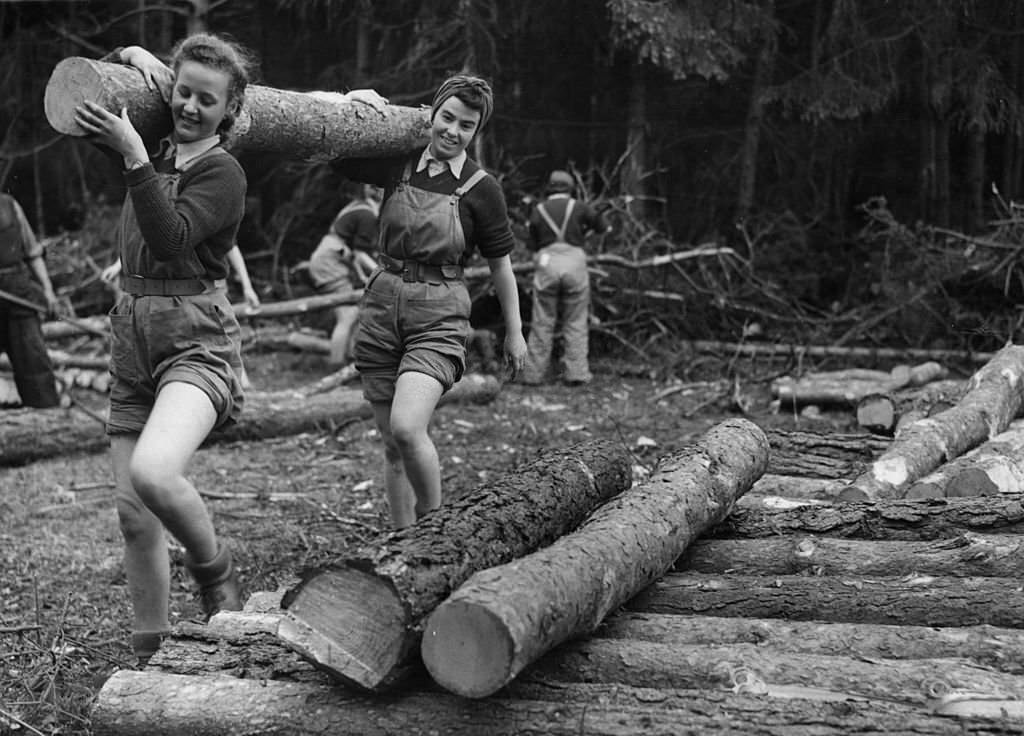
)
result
[(284, 504)]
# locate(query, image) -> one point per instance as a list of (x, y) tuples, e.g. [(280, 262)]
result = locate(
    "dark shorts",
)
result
[(410, 326), (160, 339)]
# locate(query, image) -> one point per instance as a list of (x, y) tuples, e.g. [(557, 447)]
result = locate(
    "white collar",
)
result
[(455, 164), (184, 153)]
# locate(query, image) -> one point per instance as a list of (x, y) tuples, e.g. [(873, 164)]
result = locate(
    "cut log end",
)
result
[(348, 624), (467, 649), (73, 81), (971, 482)]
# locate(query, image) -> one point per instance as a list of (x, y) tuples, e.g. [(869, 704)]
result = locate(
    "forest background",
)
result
[(850, 167)]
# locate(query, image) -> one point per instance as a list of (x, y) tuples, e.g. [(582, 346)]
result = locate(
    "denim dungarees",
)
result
[(420, 325), (159, 339)]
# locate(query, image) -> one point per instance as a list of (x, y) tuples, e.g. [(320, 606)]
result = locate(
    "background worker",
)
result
[(23, 275), (344, 260), (561, 285)]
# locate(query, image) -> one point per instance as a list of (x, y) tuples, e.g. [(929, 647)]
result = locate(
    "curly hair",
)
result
[(224, 55)]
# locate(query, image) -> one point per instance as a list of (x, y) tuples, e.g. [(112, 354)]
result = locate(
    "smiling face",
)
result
[(452, 129), (199, 101)]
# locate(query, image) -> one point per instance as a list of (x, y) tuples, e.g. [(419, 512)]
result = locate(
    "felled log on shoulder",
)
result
[(969, 554), (885, 519), (361, 619), (847, 387), (887, 413), (27, 435), (300, 125), (505, 617), (994, 397)]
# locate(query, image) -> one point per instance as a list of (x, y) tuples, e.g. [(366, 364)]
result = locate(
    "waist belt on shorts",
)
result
[(141, 286), (416, 271)]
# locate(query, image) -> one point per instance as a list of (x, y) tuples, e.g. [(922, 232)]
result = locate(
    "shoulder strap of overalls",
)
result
[(558, 231), (471, 182)]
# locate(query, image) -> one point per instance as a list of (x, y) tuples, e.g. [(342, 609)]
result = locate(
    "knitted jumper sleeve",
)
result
[(209, 206)]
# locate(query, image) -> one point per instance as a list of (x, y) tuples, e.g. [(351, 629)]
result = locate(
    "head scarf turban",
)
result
[(464, 85)]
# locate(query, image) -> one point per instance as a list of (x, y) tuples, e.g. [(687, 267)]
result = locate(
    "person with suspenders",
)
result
[(410, 347), (561, 285), (343, 261)]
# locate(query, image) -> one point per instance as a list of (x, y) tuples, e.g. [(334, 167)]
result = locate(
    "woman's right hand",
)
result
[(116, 132), (157, 75)]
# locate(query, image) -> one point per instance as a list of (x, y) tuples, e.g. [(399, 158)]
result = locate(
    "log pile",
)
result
[(893, 615)]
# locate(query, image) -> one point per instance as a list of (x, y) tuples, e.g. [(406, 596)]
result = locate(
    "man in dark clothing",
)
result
[(23, 275), (561, 284)]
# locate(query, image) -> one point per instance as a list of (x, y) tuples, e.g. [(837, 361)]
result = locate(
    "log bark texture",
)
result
[(968, 555), (918, 600), (361, 618), (990, 468), (297, 124), (887, 413), (27, 435), (894, 520), (505, 617), (817, 455), (994, 397), (158, 704), (848, 387)]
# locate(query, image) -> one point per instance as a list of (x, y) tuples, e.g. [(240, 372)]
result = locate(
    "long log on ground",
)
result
[(790, 350), (300, 125), (919, 600), (967, 555), (818, 455), (27, 435), (361, 618), (505, 617), (753, 669), (848, 387), (894, 520), (244, 644), (886, 413), (158, 704), (994, 397)]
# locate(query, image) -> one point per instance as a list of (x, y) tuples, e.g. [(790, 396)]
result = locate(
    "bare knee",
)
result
[(406, 436), (152, 482), (136, 522)]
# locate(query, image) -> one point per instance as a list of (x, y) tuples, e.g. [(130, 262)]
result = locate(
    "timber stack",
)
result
[(693, 602)]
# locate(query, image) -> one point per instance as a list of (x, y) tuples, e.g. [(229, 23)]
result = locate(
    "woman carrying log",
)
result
[(410, 346)]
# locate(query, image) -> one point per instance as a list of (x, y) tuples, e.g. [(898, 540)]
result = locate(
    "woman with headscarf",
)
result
[(410, 347)]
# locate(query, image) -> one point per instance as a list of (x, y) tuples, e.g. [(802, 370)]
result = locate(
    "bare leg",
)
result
[(341, 337), (412, 472)]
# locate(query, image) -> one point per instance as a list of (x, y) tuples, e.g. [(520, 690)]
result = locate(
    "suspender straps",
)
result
[(558, 231)]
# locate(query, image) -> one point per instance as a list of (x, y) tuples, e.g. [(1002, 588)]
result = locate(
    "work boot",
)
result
[(218, 583), (145, 644)]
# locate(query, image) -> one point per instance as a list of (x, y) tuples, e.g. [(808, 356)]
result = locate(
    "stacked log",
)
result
[(847, 387)]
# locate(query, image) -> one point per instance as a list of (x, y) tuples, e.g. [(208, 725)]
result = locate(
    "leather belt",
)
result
[(416, 271), (141, 286)]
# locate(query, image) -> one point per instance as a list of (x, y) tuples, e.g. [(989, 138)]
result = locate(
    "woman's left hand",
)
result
[(515, 352), (116, 132), (368, 97)]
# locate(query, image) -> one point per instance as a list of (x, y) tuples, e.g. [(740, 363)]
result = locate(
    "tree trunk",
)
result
[(504, 618), (361, 618), (296, 124), (764, 71), (751, 668), (33, 434), (990, 468), (919, 600), (994, 397), (157, 704), (967, 555), (883, 520), (818, 456), (886, 413)]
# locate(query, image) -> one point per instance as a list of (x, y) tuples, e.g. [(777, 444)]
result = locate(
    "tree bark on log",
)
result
[(750, 668), (994, 397), (920, 600), (505, 617), (361, 618), (297, 124), (969, 555), (157, 704), (817, 455), (883, 520), (991, 468), (27, 435), (885, 414), (797, 487)]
